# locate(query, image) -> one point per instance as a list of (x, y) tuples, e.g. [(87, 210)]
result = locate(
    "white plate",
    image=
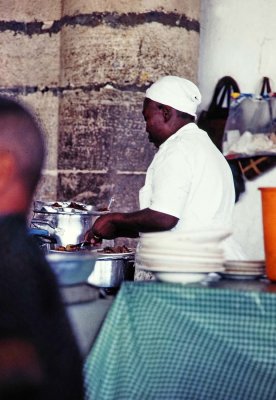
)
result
[(128, 253), (93, 251), (228, 275), (184, 278), (189, 268), (183, 252), (243, 264), (245, 271), (179, 261), (101, 252), (179, 244), (189, 256)]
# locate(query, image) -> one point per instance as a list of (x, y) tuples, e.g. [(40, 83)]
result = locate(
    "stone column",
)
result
[(111, 51), (30, 68), (84, 66)]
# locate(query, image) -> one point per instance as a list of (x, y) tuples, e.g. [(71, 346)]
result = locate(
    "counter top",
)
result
[(87, 305), (245, 284)]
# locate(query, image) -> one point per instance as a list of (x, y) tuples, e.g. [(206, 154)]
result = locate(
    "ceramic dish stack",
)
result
[(181, 257), (243, 269)]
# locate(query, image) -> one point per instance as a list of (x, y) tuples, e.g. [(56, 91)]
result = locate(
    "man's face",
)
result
[(155, 122)]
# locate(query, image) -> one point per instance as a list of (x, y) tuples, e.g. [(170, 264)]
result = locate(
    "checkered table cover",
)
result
[(168, 341)]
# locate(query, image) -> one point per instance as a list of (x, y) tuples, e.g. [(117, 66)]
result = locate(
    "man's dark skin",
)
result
[(162, 121)]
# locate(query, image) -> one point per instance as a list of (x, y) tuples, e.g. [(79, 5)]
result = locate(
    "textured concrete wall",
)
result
[(84, 66), (187, 8), (111, 51), (30, 69), (30, 10)]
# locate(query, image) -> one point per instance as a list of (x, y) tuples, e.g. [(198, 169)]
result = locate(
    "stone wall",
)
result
[(30, 69), (84, 66)]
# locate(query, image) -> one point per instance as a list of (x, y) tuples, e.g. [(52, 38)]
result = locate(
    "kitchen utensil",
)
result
[(112, 199), (112, 269), (83, 245), (66, 225)]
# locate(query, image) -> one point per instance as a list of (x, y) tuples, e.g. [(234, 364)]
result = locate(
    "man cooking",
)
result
[(189, 185)]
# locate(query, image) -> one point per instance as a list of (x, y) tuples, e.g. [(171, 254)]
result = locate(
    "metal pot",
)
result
[(65, 225), (111, 270)]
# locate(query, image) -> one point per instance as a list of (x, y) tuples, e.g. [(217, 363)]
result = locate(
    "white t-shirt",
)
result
[(190, 179)]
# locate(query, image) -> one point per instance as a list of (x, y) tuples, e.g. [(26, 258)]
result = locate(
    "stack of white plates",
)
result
[(181, 257), (249, 269)]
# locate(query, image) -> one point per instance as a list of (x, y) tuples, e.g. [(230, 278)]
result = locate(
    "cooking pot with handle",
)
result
[(111, 270), (66, 225)]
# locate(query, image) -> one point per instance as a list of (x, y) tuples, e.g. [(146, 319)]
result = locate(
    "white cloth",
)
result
[(190, 179), (177, 92)]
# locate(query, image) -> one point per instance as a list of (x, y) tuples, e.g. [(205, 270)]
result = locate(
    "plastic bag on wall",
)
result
[(250, 129)]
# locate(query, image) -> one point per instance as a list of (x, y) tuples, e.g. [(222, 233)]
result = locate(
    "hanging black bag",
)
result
[(213, 120)]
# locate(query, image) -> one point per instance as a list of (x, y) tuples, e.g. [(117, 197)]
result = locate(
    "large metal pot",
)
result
[(64, 224), (111, 270)]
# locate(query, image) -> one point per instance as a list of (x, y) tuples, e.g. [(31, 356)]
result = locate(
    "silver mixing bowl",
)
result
[(72, 268)]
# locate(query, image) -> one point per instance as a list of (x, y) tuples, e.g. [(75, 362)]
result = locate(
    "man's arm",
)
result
[(113, 225)]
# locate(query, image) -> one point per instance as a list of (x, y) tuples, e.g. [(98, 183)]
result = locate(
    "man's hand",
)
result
[(103, 228)]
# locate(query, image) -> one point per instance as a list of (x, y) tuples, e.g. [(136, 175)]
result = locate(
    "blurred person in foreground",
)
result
[(39, 358), (189, 185)]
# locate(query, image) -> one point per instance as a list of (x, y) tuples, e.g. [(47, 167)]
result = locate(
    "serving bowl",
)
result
[(72, 268)]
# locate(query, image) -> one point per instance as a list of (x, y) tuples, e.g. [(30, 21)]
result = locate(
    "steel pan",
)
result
[(112, 269)]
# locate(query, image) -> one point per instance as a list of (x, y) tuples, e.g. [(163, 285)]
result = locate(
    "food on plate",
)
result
[(56, 204), (68, 247), (105, 250), (76, 206), (115, 249)]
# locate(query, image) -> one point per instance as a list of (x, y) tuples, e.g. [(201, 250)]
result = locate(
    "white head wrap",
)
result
[(176, 92)]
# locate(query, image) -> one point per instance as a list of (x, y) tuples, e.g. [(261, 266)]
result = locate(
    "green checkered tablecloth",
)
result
[(168, 341)]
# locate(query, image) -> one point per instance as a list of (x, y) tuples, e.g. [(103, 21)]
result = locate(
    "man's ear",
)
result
[(167, 113), (7, 169)]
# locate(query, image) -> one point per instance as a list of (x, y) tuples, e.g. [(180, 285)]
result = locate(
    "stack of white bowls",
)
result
[(182, 257)]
